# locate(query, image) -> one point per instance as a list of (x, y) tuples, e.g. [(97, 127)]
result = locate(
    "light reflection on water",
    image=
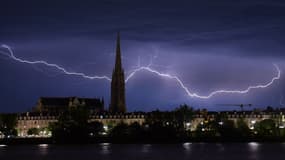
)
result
[(187, 146), (105, 148), (283, 144), (183, 151), (2, 145), (43, 149), (253, 146), (220, 147), (146, 148)]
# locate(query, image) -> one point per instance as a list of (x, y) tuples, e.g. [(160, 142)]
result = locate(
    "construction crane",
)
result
[(237, 105)]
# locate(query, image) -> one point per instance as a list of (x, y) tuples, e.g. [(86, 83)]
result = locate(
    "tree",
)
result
[(207, 129), (243, 128), (182, 115), (227, 129), (72, 125), (159, 116), (33, 131), (221, 117), (160, 131), (95, 128), (8, 124), (136, 131), (266, 128), (120, 131)]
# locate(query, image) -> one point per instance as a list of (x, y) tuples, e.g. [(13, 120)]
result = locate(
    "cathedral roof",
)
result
[(64, 101)]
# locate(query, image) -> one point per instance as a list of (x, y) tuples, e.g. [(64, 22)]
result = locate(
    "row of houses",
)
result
[(28, 120), (41, 121)]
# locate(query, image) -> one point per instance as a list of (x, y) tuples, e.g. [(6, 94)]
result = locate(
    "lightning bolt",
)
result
[(195, 95), (149, 69), (11, 55)]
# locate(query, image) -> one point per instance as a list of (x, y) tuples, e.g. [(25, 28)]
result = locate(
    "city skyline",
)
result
[(230, 53)]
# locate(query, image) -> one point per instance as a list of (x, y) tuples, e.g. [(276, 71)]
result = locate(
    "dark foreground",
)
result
[(106, 151)]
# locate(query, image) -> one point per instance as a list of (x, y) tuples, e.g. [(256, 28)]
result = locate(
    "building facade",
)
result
[(36, 120), (249, 117), (42, 122)]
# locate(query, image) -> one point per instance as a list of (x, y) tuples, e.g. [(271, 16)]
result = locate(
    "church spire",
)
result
[(118, 104), (118, 63)]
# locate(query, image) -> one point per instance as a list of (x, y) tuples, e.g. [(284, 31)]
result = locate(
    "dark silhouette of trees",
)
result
[(8, 124), (228, 130), (72, 125), (132, 131), (33, 131), (242, 128), (207, 129), (266, 128), (221, 117), (159, 131), (136, 131), (183, 115), (95, 128), (223, 128), (120, 131)]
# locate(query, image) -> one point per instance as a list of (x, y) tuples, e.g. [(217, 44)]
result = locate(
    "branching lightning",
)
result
[(149, 69), (11, 55), (195, 95)]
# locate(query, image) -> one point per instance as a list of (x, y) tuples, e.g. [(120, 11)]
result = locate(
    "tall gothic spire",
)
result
[(118, 104), (118, 63)]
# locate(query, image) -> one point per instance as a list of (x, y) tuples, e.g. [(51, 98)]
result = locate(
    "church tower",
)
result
[(118, 100)]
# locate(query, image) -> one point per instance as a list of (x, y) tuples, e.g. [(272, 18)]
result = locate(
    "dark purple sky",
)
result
[(209, 44)]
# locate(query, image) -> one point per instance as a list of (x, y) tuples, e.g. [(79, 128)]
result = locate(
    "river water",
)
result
[(105, 151)]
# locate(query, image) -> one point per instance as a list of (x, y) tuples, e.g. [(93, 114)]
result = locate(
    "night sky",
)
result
[(208, 44)]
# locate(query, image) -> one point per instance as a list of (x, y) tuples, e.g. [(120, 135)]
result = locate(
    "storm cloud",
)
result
[(209, 44)]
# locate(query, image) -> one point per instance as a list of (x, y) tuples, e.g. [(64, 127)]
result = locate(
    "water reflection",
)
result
[(182, 151), (3, 145), (187, 146), (105, 148), (253, 146), (43, 149), (220, 147), (146, 148)]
